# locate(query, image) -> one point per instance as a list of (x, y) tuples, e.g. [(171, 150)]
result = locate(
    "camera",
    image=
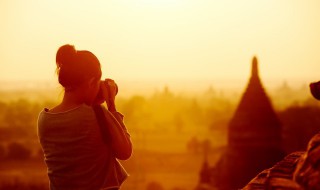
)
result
[(108, 89)]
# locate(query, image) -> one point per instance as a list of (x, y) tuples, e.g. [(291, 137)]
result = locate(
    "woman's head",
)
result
[(76, 67), (79, 71)]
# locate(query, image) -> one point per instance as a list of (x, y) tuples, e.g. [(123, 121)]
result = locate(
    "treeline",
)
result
[(162, 113)]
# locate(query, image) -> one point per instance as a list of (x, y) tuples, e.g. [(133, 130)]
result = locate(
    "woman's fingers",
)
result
[(112, 87), (103, 88)]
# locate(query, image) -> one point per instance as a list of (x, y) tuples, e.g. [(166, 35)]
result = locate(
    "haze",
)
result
[(165, 42)]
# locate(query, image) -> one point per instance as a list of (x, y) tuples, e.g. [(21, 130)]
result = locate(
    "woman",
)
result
[(76, 153)]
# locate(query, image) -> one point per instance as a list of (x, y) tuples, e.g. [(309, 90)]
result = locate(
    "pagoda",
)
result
[(254, 138)]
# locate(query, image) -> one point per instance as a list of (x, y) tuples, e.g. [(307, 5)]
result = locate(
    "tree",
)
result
[(17, 151), (154, 186), (2, 152), (300, 123)]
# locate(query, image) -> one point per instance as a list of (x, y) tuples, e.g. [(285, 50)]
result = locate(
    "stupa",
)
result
[(254, 138)]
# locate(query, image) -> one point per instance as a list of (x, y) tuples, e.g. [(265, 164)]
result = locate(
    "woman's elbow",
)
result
[(124, 154)]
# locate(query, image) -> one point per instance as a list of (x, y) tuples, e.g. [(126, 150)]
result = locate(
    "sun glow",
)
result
[(158, 2), (164, 40), (181, 67)]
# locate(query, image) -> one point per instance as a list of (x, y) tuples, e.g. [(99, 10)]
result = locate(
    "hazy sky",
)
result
[(164, 40)]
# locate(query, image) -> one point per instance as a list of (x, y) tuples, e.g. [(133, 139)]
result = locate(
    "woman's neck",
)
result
[(71, 99)]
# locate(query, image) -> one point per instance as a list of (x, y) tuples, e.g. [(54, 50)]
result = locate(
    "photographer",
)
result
[(81, 139)]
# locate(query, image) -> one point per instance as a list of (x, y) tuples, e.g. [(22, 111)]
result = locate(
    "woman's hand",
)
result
[(109, 90)]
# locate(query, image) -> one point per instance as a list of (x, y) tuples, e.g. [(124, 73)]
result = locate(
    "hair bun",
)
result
[(66, 55)]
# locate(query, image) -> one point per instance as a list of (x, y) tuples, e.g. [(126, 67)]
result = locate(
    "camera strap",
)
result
[(104, 130)]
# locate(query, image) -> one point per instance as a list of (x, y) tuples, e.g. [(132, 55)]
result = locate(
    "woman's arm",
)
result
[(120, 142), (120, 138)]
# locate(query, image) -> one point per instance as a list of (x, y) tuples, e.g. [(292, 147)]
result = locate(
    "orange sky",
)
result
[(164, 40)]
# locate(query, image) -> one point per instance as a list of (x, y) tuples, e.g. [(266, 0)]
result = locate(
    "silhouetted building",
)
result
[(254, 138)]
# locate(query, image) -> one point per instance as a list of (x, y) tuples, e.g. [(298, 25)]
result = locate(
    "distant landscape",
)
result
[(172, 132)]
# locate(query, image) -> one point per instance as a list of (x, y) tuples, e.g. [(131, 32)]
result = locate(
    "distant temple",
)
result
[(254, 140)]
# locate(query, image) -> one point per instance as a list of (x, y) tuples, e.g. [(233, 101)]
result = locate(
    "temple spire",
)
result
[(254, 72)]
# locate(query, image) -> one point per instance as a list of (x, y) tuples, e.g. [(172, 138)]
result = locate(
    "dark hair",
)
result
[(75, 67)]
